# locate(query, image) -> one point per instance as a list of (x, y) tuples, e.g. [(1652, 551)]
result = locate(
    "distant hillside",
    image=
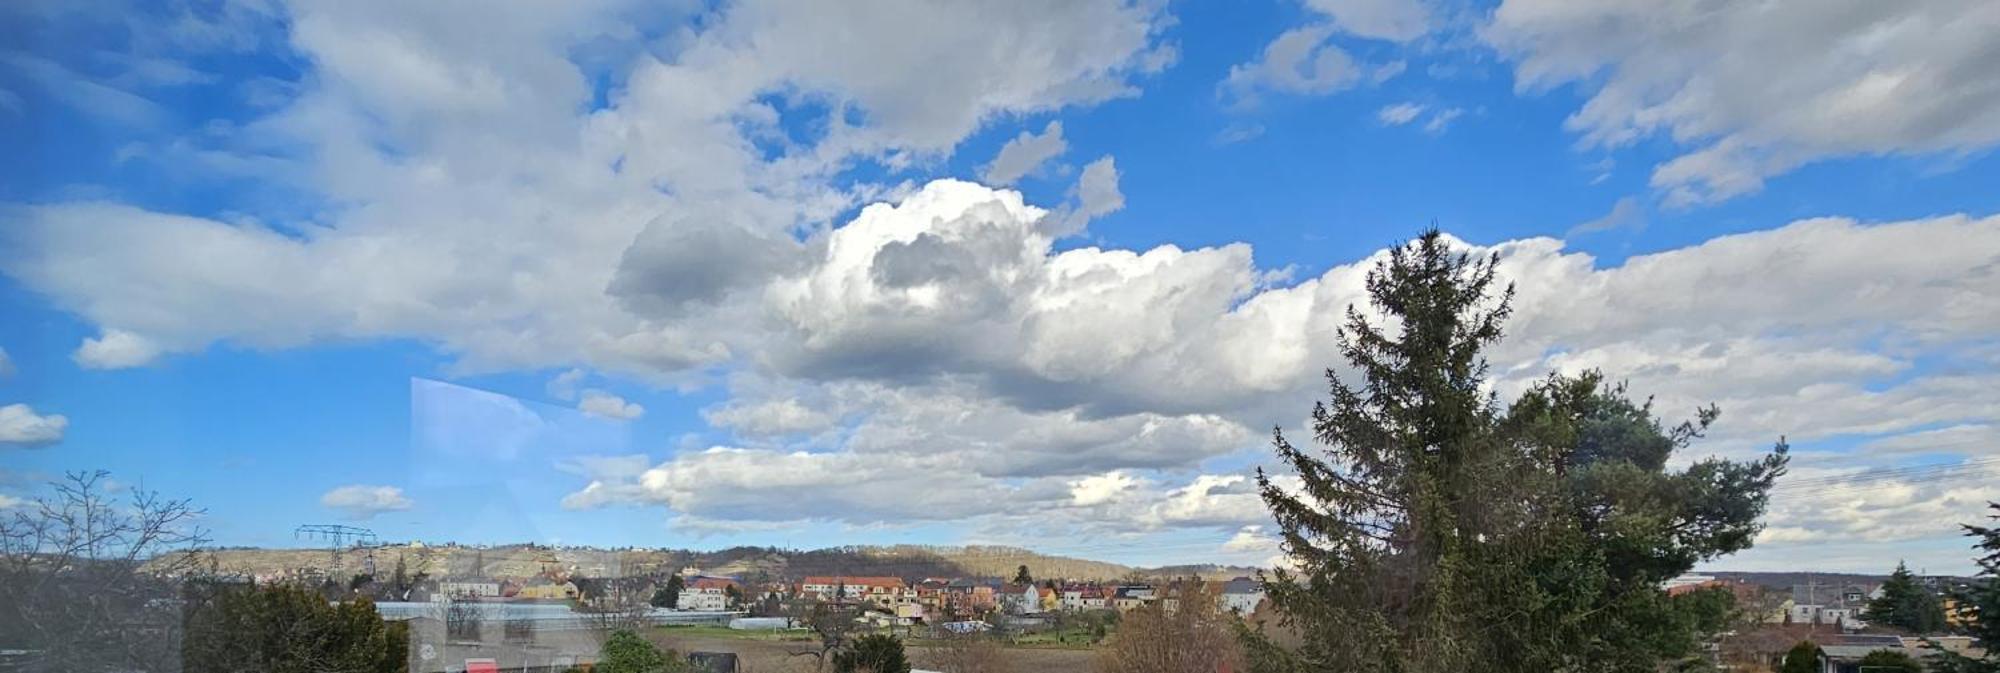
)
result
[(755, 563)]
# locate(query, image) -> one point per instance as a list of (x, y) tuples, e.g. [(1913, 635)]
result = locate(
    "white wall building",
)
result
[(469, 589), (1241, 596), (705, 594)]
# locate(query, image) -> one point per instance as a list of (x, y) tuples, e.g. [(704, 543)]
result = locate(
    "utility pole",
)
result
[(338, 537)]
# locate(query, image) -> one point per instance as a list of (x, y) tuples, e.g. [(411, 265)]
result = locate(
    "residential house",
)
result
[(1823, 604), (468, 588), (1843, 654), (885, 591), (1081, 597), (974, 594), (1021, 599), (931, 593), (1051, 600), (1072, 597), (705, 593), (547, 590), (1127, 598), (1241, 595)]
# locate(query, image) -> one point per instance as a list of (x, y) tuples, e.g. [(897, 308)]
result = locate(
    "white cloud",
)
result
[(1967, 439), (1442, 119), (1754, 90), (1395, 20), (1100, 489), (1821, 505), (1097, 192), (488, 206), (116, 349), (21, 426), (6, 364), (361, 502), (563, 386), (1210, 500), (948, 335), (771, 417), (1626, 213), (1251, 539), (1305, 60), (1299, 61), (10, 502), (1399, 114), (729, 483), (492, 209), (609, 406), (1238, 132), (1024, 154), (90, 99)]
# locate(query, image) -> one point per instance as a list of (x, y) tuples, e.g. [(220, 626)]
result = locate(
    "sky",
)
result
[(1043, 272)]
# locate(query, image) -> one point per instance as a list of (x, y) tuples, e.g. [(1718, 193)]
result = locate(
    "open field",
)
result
[(759, 655)]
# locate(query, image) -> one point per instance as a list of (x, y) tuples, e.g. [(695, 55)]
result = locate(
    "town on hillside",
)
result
[(553, 618)]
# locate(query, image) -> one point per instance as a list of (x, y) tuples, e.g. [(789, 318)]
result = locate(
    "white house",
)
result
[(1241, 595), (706, 594), (1804, 613), (469, 589), (1836, 616), (1022, 599)]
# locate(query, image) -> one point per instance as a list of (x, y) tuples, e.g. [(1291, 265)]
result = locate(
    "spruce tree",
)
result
[(1803, 658), (1978, 606), (1437, 533), (1906, 605), (874, 653), (1375, 529)]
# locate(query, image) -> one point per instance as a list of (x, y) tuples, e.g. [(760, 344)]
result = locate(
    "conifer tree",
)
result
[(1906, 605), (1978, 606), (1376, 528), (1803, 658), (1436, 533)]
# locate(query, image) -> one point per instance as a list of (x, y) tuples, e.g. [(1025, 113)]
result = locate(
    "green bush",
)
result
[(877, 653)]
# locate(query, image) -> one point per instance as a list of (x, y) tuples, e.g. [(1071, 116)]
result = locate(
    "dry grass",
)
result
[(966, 654)]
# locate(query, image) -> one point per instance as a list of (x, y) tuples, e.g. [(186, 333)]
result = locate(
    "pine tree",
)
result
[(1906, 605), (669, 595), (289, 629), (875, 653), (1803, 658), (1436, 533), (399, 582), (1021, 576), (1978, 606), (1375, 529)]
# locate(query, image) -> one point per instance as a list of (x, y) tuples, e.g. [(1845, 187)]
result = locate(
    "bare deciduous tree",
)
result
[(834, 625), (1185, 632), (91, 578)]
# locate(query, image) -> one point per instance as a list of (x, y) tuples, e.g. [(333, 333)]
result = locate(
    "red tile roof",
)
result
[(873, 582)]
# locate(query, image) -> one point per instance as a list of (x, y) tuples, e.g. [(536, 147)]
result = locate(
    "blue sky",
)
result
[(752, 275)]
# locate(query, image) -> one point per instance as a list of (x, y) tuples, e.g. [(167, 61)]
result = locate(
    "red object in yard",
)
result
[(482, 666)]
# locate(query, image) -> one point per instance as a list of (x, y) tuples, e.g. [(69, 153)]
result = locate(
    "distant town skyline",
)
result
[(1041, 274)]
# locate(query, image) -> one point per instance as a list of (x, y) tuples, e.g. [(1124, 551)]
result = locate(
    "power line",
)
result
[(1891, 473)]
